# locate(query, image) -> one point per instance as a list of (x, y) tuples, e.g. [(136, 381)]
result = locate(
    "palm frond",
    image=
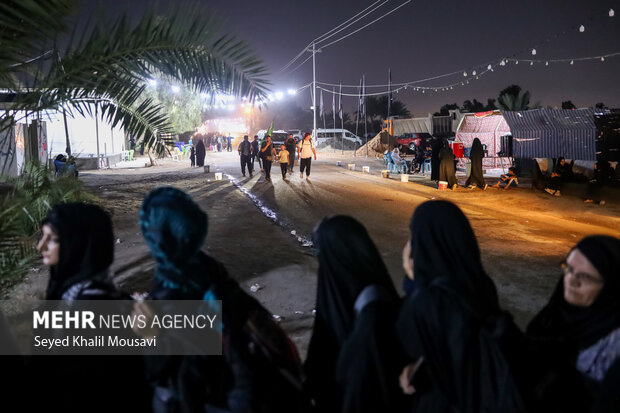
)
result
[(27, 31)]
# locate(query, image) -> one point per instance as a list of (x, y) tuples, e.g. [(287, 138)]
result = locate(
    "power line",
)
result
[(363, 27), (294, 59)]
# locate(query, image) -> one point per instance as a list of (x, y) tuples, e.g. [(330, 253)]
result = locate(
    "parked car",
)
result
[(412, 140), (336, 137)]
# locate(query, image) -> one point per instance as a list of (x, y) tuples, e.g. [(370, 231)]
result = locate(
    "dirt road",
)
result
[(523, 235)]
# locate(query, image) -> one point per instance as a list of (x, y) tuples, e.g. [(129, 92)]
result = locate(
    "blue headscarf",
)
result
[(174, 228)]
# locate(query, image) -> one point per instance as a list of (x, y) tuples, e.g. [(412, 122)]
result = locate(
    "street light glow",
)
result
[(279, 95), (175, 89), (153, 82), (292, 92)]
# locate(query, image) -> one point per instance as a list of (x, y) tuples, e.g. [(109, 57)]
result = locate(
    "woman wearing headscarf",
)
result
[(201, 152), (354, 357), (77, 244), (476, 177), (581, 323), (447, 172), (174, 228), (463, 345)]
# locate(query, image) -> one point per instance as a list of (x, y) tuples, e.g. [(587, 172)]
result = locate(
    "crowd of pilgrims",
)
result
[(446, 346)]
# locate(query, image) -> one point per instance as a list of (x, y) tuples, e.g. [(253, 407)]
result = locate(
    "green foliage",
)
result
[(23, 208), (184, 108), (104, 66)]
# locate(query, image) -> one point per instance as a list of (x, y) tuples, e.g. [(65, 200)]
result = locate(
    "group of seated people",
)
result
[(446, 346)]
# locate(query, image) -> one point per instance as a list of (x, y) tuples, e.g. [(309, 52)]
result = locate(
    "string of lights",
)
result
[(491, 65), (470, 75)]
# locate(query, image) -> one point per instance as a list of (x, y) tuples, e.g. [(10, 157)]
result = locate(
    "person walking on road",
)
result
[(283, 158), (290, 144), (268, 152), (306, 149), (245, 152), (229, 143), (256, 154)]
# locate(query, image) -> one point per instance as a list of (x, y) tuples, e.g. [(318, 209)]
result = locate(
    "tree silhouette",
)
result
[(513, 98), (567, 104)]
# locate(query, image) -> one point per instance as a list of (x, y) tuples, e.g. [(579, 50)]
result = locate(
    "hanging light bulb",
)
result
[(516, 62), (602, 59), (476, 77), (465, 74), (532, 63), (534, 52), (451, 87), (462, 84), (473, 73), (611, 13), (571, 62), (582, 29), (546, 63), (422, 91), (489, 67)]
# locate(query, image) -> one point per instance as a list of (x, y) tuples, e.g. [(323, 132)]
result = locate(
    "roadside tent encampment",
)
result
[(489, 127), (551, 133)]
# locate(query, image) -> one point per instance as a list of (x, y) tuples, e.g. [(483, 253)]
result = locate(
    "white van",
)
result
[(335, 137)]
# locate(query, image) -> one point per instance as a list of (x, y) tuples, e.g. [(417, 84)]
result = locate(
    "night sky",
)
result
[(426, 38)]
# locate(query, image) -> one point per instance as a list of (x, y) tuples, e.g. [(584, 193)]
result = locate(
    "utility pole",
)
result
[(314, 90)]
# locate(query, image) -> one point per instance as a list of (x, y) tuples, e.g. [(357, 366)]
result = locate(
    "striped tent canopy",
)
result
[(489, 127), (551, 133)]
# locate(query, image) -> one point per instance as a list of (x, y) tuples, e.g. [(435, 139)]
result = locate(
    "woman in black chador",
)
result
[(476, 177), (354, 357), (446, 167), (450, 322), (77, 244), (581, 323), (436, 145), (200, 153)]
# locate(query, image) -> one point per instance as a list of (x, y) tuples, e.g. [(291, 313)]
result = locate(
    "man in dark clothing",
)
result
[(229, 144), (291, 145), (245, 152), (255, 153)]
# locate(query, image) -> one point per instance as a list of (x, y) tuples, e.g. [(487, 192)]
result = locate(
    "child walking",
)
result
[(283, 158)]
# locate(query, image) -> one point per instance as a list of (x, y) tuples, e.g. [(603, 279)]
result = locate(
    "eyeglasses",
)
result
[(581, 276)]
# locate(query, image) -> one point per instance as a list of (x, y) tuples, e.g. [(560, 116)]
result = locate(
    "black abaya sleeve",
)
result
[(370, 363)]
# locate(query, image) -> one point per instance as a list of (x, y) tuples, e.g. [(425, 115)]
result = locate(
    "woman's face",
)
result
[(49, 246), (582, 282), (407, 260)]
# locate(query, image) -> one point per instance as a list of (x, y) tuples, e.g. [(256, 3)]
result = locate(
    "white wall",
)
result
[(82, 136)]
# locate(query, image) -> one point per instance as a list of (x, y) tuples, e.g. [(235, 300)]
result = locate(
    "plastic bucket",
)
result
[(351, 167), (218, 176), (385, 173), (404, 178), (207, 168), (366, 169), (443, 185)]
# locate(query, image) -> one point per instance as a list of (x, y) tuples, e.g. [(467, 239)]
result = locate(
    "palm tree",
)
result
[(103, 68), (513, 98)]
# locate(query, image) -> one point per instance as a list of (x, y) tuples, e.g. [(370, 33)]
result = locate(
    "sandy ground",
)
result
[(523, 234)]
